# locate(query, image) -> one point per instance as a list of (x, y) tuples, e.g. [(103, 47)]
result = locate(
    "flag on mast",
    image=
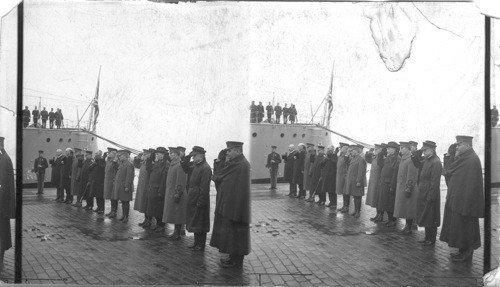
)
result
[(329, 99), (95, 102)]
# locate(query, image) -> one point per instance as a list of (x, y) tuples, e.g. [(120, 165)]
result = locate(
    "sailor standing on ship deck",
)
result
[(36, 116), (278, 111), (286, 113), (26, 117), (52, 117), (39, 168), (269, 110), (45, 115), (273, 161)]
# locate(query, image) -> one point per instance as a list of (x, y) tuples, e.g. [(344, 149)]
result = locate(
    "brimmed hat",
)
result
[(465, 139), (378, 146), (152, 150), (172, 149), (77, 149), (88, 152), (343, 144), (273, 146), (110, 149), (413, 143), (233, 144), (145, 150), (320, 146), (181, 148), (383, 145), (309, 144), (404, 144), (197, 150), (40, 151), (428, 144), (393, 144), (161, 150), (125, 151)]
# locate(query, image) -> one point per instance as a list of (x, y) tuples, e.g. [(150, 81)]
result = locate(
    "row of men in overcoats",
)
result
[(404, 183), (171, 189), (257, 113)]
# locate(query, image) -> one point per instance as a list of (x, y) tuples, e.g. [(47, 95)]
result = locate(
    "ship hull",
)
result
[(49, 140), (264, 135)]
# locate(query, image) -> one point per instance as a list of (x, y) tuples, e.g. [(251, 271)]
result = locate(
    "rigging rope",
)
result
[(346, 137), (134, 151)]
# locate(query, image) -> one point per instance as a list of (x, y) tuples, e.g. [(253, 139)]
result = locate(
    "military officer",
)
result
[(273, 161), (124, 183), (109, 179), (39, 168), (156, 192), (340, 187)]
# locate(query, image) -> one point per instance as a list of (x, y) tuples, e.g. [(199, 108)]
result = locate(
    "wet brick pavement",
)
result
[(293, 243)]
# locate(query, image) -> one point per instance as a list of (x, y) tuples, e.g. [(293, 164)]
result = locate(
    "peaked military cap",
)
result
[(392, 144), (40, 151), (152, 150), (197, 150), (273, 146), (383, 145), (309, 144), (428, 144), (2, 138), (404, 144), (181, 148), (378, 145), (465, 139), (77, 149), (145, 150), (413, 143), (161, 150), (233, 144), (343, 144), (320, 146), (125, 151), (88, 152), (110, 149), (173, 149)]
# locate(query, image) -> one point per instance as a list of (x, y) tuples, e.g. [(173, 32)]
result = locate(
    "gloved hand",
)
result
[(358, 184)]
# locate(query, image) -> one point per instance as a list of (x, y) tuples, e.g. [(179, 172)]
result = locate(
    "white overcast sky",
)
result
[(185, 74)]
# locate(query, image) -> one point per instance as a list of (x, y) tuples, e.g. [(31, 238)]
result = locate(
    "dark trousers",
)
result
[(44, 123), (357, 203), (51, 124), (302, 191), (90, 201), (68, 192), (159, 222), (200, 239), (114, 205), (100, 203), (293, 188), (269, 118), (285, 119), (322, 196), (60, 193), (347, 200), (40, 177), (333, 198), (35, 122), (238, 259), (274, 177), (431, 233), (278, 119), (126, 208)]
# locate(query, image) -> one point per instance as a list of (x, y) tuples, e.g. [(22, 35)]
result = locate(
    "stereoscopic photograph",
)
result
[(249, 143)]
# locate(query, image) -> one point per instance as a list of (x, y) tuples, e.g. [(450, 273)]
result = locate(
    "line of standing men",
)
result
[(404, 183), (52, 116), (171, 188), (257, 113)]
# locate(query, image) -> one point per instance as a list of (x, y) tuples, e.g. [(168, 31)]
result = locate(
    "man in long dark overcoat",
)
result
[(76, 168), (55, 177), (39, 168), (464, 201), (84, 192), (156, 190), (372, 191), (109, 180), (66, 169), (316, 186), (123, 188), (96, 180), (356, 178), (340, 186), (308, 162), (198, 207), (298, 170), (7, 200), (231, 230), (329, 176), (141, 195), (288, 174), (389, 164), (428, 186)]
